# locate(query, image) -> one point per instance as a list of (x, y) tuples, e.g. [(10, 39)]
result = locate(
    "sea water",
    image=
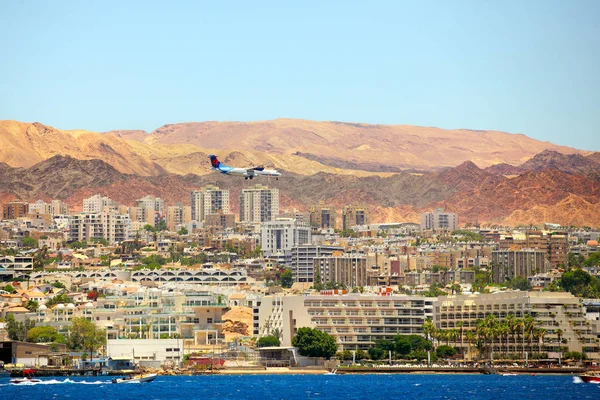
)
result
[(306, 387)]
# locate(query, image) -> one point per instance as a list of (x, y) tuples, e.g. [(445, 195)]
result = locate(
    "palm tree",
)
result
[(429, 329), (504, 331), (559, 333), (471, 338), (529, 326), (459, 325)]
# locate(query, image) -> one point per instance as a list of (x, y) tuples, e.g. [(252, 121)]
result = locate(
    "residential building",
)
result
[(14, 210), (439, 220), (178, 215), (98, 204), (281, 235), (209, 200), (349, 270), (219, 220), (507, 264), (356, 321), (303, 256), (559, 313), (354, 216), (259, 204), (111, 226), (322, 216)]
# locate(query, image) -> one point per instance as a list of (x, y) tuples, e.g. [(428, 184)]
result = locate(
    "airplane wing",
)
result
[(250, 171)]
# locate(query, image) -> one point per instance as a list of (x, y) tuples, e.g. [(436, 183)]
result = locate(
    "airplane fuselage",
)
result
[(247, 173)]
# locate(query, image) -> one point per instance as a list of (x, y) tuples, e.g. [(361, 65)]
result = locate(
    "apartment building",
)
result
[(98, 204), (178, 215), (209, 200), (349, 270), (559, 313), (281, 235), (219, 220), (356, 321), (507, 264), (555, 245), (439, 220), (354, 216), (322, 217), (111, 226), (55, 207), (259, 204), (303, 256), (14, 210)]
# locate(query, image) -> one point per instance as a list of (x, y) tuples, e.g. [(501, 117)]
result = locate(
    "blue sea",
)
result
[(307, 387)]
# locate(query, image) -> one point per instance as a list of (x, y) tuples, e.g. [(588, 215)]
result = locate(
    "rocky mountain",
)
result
[(546, 195), (304, 147), (395, 146), (569, 163)]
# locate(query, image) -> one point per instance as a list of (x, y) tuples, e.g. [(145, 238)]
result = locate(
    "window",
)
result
[(209, 320)]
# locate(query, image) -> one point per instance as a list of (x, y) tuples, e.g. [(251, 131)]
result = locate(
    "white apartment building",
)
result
[(279, 236), (209, 200), (113, 227), (439, 220), (259, 204), (356, 321), (97, 204)]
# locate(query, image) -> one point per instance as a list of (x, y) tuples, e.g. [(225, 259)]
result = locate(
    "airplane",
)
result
[(247, 173)]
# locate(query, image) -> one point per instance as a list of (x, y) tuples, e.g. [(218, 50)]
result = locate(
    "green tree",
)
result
[(30, 242), (44, 334), (58, 299), (84, 335), (183, 231), (402, 345), (580, 283), (445, 351), (100, 240), (9, 288), (268, 341), (314, 343), (58, 284), (376, 353), (17, 330), (519, 283), (286, 278), (32, 305)]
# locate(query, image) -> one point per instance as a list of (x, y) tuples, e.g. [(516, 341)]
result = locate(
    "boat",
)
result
[(590, 378), (508, 374), (135, 378), (27, 378), (332, 372)]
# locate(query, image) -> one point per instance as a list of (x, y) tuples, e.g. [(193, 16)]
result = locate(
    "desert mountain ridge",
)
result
[(535, 196), (300, 146)]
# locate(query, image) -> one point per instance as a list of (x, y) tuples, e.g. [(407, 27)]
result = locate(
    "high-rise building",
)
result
[(14, 210), (178, 215), (322, 216), (97, 204), (303, 256), (348, 269), (209, 200), (439, 220), (281, 235), (507, 264), (259, 204), (59, 208), (111, 226), (149, 210), (354, 216)]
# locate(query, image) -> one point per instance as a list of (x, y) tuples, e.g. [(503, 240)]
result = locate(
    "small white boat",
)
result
[(135, 378), (508, 374), (25, 380)]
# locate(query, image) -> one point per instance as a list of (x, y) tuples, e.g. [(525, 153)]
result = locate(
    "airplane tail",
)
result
[(214, 161)]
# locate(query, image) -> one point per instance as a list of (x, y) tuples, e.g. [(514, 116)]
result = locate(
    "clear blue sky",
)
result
[(525, 66)]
